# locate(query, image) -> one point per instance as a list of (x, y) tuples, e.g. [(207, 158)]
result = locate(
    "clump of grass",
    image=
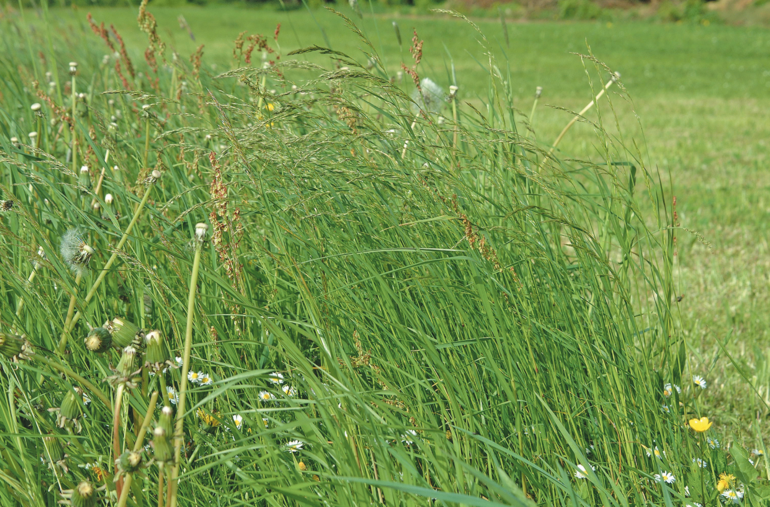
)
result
[(395, 303)]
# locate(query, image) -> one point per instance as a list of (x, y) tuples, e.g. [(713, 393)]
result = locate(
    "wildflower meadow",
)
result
[(311, 277)]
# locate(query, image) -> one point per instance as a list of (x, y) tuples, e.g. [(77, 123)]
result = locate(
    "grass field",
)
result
[(699, 91), (463, 317)]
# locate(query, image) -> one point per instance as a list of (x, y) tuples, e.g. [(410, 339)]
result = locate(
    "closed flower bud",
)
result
[(84, 495), (55, 450), (71, 405), (36, 107), (301, 465), (165, 420), (128, 362), (124, 332), (156, 355), (10, 345), (200, 231), (163, 452), (98, 340), (130, 461), (84, 180)]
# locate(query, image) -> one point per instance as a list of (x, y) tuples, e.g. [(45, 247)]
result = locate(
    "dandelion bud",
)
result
[(98, 340), (538, 92), (123, 332), (127, 365), (32, 137), (71, 405), (154, 176), (163, 452), (14, 347), (200, 231), (54, 447), (15, 141), (84, 180), (73, 68), (453, 91), (301, 465), (35, 107), (84, 495), (108, 199), (166, 419), (76, 253), (156, 354), (129, 462)]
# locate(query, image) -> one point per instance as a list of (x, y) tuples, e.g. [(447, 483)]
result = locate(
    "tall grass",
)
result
[(459, 314)]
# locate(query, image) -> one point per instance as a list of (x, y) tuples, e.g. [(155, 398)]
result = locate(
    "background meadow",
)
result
[(456, 311)]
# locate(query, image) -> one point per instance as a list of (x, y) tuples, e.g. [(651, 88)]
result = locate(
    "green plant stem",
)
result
[(138, 445), (100, 279), (29, 283), (71, 308), (94, 390), (74, 129), (179, 437), (146, 142), (579, 115)]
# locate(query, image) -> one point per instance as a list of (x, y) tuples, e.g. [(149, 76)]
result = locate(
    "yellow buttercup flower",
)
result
[(700, 425), (725, 481)]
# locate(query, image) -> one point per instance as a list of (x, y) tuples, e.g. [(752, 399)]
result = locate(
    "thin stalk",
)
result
[(173, 484), (161, 475), (31, 279), (615, 77), (73, 299), (146, 142), (406, 143), (538, 92), (74, 128), (100, 279), (138, 445)]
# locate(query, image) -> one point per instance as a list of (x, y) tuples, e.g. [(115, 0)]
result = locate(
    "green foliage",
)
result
[(579, 9), (457, 311)]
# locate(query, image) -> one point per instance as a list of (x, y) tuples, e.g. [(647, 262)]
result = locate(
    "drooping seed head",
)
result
[(75, 251)]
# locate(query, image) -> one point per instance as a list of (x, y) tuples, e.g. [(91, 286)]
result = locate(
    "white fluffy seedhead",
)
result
[(75, 251)]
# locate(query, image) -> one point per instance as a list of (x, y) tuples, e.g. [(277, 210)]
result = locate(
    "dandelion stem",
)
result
[(29, 284), (146, 143), (138, 445), (105, 269), (74, 128), (73, 299), (173, 480)]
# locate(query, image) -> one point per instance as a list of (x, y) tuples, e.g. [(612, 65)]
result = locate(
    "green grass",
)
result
[(461, 322)]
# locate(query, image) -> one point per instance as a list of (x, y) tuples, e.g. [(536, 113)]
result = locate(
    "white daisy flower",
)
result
[(205, 379), (656, 452), (288, 390), (693, 505), (294, 446), (713, 442), (173, 397), (581, 473), (86, 400), (665, 409), (194, 377), (701, 463), (276, 378), (732, 495), (668, 390), (750, 461), (266, 421), (178, 360), (666, 477), (687, 491), (757, 452), (266, 396), (699, 381), (238, 421)]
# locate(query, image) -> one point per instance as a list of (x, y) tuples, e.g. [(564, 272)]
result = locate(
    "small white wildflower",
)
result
[(757, 452), (665, 409), (713, 442), (275, 378), (173, 397), (656, 452), (194, 377), (699, 381), (238, 421), (205, 379), (733, 495), (289, 391), (666, 477), (86, 400), (294, 446), (178, 361), (406, 438), (266, 396), (581, 472), (668, 390), (701, 463), (265, 421)]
